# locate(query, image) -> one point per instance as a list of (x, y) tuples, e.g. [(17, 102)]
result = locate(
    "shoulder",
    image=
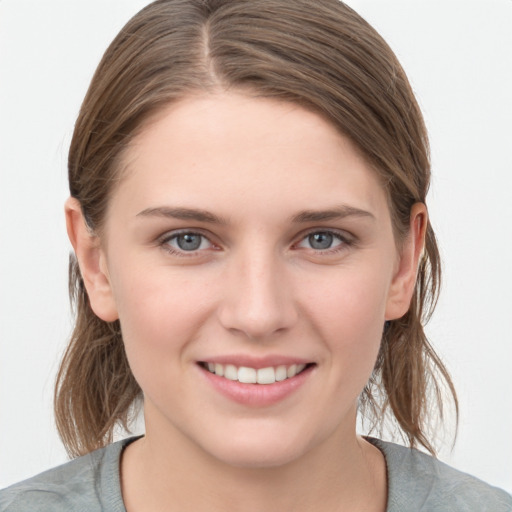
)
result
[(88, 483), (417, 481)]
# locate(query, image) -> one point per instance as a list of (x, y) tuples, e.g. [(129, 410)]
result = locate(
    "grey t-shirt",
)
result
[(416, 482)]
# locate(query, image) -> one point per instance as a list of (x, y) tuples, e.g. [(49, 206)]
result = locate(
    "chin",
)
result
[(257, 456), (260, 450)]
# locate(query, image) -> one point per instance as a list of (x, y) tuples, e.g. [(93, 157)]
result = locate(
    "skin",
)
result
[(256, 287)]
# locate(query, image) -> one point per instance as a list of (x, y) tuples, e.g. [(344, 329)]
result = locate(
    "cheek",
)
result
[(351, 302), (160, 312), (348, 313)]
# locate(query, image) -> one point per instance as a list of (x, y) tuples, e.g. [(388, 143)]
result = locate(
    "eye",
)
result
[(322, 240), (186, 242)]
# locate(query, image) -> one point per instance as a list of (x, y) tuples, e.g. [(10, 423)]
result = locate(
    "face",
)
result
[(248, 252)]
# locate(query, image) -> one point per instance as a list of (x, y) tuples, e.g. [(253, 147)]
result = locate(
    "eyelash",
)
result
[(164, 242), (345, 242)]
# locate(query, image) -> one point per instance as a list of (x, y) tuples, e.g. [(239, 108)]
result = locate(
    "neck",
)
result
[(342, 473)]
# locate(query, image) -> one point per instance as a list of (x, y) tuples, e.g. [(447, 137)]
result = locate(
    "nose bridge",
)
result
[(257, 299)]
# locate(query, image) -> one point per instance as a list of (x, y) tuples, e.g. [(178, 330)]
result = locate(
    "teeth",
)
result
[(248, 375), (266, 376), (281, 373), (292, 371), (230, 372)]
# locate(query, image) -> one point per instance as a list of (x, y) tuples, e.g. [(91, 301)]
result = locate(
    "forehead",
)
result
[(233, 150)]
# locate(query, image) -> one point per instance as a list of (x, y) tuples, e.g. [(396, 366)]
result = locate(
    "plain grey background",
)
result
[(458, 55)]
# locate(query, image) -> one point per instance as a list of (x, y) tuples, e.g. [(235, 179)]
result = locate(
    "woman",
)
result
[(254, 261)]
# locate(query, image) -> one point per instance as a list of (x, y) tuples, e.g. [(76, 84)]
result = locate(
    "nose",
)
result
[(258, 299)]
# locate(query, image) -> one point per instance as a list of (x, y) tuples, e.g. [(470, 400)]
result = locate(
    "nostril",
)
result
[(257, 309)]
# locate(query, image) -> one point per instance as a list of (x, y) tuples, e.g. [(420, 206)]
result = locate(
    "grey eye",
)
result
[(321, 240), (186, 242), (189, 241)]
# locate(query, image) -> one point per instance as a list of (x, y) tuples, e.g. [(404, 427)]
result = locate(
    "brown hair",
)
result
[(321, 55)]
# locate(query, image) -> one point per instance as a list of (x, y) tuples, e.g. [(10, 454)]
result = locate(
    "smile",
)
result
[(247, 375)]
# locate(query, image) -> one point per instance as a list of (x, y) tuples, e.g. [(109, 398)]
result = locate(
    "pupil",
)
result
[(321, 240), (189, 242)]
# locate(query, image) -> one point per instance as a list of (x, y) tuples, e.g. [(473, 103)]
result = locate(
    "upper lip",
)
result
[(255, 362)]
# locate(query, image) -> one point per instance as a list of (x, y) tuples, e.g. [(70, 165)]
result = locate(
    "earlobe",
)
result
[(92, 262), (404, 279)]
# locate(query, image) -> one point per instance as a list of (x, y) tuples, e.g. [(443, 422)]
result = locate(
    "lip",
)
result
[(256, 362), (257, 395)]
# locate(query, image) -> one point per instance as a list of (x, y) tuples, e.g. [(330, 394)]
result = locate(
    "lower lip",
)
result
[(257, 395)]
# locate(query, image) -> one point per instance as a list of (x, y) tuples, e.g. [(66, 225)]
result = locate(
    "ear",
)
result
[(404, 279), (92, 261)]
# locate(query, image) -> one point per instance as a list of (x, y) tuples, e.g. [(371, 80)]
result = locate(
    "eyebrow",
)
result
[(182, 214), (339, 212), (302, 217)]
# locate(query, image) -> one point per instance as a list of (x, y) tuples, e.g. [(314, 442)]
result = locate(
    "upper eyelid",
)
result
[(344, 235), (169, 235)]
